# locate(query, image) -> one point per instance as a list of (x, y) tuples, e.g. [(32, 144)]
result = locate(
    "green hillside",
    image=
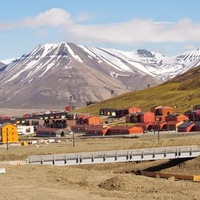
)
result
[(181, 92)]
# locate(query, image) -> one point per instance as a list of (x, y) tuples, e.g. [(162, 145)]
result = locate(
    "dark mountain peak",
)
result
[(145, 53)]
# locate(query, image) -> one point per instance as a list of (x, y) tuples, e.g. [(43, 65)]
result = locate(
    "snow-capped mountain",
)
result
[(4, 63), (8, 61), (52, 73)]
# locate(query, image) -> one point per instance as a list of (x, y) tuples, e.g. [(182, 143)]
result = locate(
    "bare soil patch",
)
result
[(102, 181), (20, 112)]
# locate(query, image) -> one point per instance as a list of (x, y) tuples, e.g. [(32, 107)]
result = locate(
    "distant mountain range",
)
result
[(56, 75)]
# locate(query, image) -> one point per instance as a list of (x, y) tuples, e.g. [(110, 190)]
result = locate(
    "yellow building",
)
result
[(8, 133)]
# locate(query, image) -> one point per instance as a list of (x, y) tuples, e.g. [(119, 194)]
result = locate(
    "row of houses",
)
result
[(53, 120), (159, 111), (118, 113), (137, 128), (9, 133), (156, 113), (57, 124), (99, 130)]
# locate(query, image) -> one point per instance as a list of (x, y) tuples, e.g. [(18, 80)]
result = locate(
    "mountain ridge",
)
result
[(52, 73)]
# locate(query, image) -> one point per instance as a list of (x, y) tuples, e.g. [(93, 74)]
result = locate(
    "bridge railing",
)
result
[(116, 156)]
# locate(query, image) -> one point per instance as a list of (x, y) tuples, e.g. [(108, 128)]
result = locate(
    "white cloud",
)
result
[(191, 47), (131, 32), (50, 18), (83, 17), (6, 26), (139, 31)]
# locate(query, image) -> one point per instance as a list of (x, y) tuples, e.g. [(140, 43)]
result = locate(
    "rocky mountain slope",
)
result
[(55, 75)]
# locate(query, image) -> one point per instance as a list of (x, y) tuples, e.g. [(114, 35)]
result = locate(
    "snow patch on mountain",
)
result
[(105, 56), (73, 54), (46, 57), (116, 75), (8, 61), (50, 73)]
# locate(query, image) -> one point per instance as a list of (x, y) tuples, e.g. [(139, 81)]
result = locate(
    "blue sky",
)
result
[(169, 27)]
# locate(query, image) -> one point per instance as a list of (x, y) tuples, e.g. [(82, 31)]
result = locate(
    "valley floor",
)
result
[(102, 181)]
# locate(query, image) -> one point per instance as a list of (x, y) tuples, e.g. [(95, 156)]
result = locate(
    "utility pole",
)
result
[(158, 120), (71, 102), (73, 139), (7, 138), (158, 133), (112, 93)]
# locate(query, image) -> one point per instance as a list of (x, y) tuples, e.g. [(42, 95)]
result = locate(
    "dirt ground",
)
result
[(102, 181), (20, 112)]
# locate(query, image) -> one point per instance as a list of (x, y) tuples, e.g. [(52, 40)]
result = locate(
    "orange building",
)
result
[(140, 117), (90, 120), (176, 117), (93, 120), (134, 109), (96, 130), (162, 110), (124, 130), (147, 117), (186, 127), (8, 133)]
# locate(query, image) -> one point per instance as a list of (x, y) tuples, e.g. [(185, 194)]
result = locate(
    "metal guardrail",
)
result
[(116, 156)]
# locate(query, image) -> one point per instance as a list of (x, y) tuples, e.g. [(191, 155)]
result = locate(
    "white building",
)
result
[(25, 130)]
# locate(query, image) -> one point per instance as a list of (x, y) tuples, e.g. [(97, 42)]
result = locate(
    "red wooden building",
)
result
[(134, 110), (186, 127), (78, 128), (193, 115), (51, 132), (176, 117), (96, 130), (93, 120), (162, 110), (140, 117), (124, 130), (197, 126), (89, 120), (118, 113)]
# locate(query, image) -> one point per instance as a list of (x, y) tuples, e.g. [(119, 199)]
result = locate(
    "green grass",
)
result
[(182, 92)]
